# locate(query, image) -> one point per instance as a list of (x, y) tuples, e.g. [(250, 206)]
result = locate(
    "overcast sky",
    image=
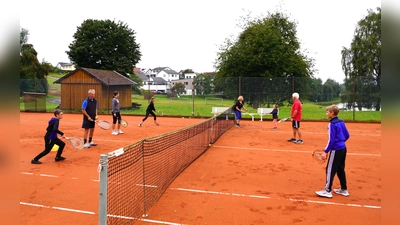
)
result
[(186, 34)]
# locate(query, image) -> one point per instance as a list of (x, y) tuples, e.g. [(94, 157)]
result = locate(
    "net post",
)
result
[(144, 215), (103, 176)]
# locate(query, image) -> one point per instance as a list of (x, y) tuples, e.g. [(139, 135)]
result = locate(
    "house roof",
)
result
[(64, 64), (159, 81), (106, 77)]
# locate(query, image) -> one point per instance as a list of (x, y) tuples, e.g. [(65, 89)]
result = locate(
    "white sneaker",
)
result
[(86, 145), (93, 144), (114, 132), (119, 132), (324, 193), (341, 192)]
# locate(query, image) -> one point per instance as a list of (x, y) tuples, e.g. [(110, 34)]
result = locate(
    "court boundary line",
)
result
[(267, 197), (234, 194), (93, 213)]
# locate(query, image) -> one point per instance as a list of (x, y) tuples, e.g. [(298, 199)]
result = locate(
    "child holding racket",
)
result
[(51, 138), (116, 114), (238, 110), (338, 135), (149, 110), (275, 116)]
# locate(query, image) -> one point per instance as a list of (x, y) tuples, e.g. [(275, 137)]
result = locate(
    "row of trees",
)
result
[(264, 62)]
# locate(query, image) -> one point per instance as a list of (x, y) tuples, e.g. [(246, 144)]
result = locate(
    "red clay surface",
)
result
[(251, 175)]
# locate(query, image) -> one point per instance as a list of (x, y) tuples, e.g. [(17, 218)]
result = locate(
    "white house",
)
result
[(188, 85), (65, 66)]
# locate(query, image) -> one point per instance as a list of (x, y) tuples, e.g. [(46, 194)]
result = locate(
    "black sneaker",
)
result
[(35, 161), (292, 140), (59, 158)]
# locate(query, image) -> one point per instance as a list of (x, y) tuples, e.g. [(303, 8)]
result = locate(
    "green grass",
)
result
[(183, 107)]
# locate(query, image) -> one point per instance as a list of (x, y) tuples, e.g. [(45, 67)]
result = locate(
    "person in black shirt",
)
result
[(149, 110), (89, 111)]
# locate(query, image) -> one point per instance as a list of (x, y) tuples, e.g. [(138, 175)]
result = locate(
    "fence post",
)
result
[(103, 175)]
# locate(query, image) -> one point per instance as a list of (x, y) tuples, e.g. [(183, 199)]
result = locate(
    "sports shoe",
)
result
[(341, 192), (324, 193), (292, 140), (86, 145), (33, 161), (119, 132), (299, 142), (157, 124), (114, 132), (93, 144), (139, 125), (275, 128), (59, 158)]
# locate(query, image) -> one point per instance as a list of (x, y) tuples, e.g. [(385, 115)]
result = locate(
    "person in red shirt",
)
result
[(295, 117)]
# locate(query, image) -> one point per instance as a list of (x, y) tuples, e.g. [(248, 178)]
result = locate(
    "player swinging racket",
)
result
[(51, 138), (149, 110), (238, 110)]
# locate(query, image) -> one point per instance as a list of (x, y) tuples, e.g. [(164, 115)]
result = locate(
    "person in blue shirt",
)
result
[(51, 138), (274, 113), (336, 146), (89, 111)]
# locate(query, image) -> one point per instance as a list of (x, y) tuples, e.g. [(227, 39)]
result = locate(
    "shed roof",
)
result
[(106, 77)]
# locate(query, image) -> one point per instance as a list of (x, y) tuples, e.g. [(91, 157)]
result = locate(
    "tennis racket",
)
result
[(75, 142), (103, 124), (124, 123), (160, 112), (283, 120), (317, 156)]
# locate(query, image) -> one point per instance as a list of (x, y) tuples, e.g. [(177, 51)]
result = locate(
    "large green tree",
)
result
[(32, 73), (202, 84), (267, 48), (361, 63), (105, 44)]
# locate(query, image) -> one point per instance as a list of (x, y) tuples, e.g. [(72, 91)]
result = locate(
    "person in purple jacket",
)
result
[(338, 135), (51, 138)]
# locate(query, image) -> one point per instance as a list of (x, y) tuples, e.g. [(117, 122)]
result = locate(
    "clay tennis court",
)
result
[(251, 175)]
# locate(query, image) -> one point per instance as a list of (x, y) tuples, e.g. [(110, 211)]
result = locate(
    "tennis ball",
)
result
[(55, 148), (209, 144)]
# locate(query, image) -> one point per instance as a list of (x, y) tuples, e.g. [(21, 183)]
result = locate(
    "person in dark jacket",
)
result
[(274, 113), (51, 138), (338, 135), (89, 112), (149, 110)]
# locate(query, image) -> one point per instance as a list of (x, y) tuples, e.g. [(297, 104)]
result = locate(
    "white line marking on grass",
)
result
[(267, 197), (93, 213), (289, 150)]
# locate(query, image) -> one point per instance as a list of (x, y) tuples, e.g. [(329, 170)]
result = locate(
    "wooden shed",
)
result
[(76, 84)]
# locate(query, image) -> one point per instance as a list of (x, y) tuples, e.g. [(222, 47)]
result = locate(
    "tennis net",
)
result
[(133, 178)]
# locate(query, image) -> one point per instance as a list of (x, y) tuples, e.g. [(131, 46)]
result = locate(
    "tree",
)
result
[(361, 63), (267, 48), (32, 73), (178, 88), (106, 45), (136, 87), (202, 84)]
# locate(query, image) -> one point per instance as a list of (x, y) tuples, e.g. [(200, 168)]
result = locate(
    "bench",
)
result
[(264, 111), (218, 110)]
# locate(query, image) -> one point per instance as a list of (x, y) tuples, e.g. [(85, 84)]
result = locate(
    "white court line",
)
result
[(93, 213), (267, 197), (53, 176), (289, 150), (241, 195)]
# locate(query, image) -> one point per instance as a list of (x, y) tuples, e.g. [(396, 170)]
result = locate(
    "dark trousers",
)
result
[(48, 145), (147, 115), (336, 165)]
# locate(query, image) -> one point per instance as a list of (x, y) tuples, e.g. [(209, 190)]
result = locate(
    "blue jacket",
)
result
[(338, 135), (52, 129)]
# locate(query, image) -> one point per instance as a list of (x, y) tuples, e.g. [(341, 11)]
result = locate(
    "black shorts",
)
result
[(117, 117), (88, 124), (295, 124)]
